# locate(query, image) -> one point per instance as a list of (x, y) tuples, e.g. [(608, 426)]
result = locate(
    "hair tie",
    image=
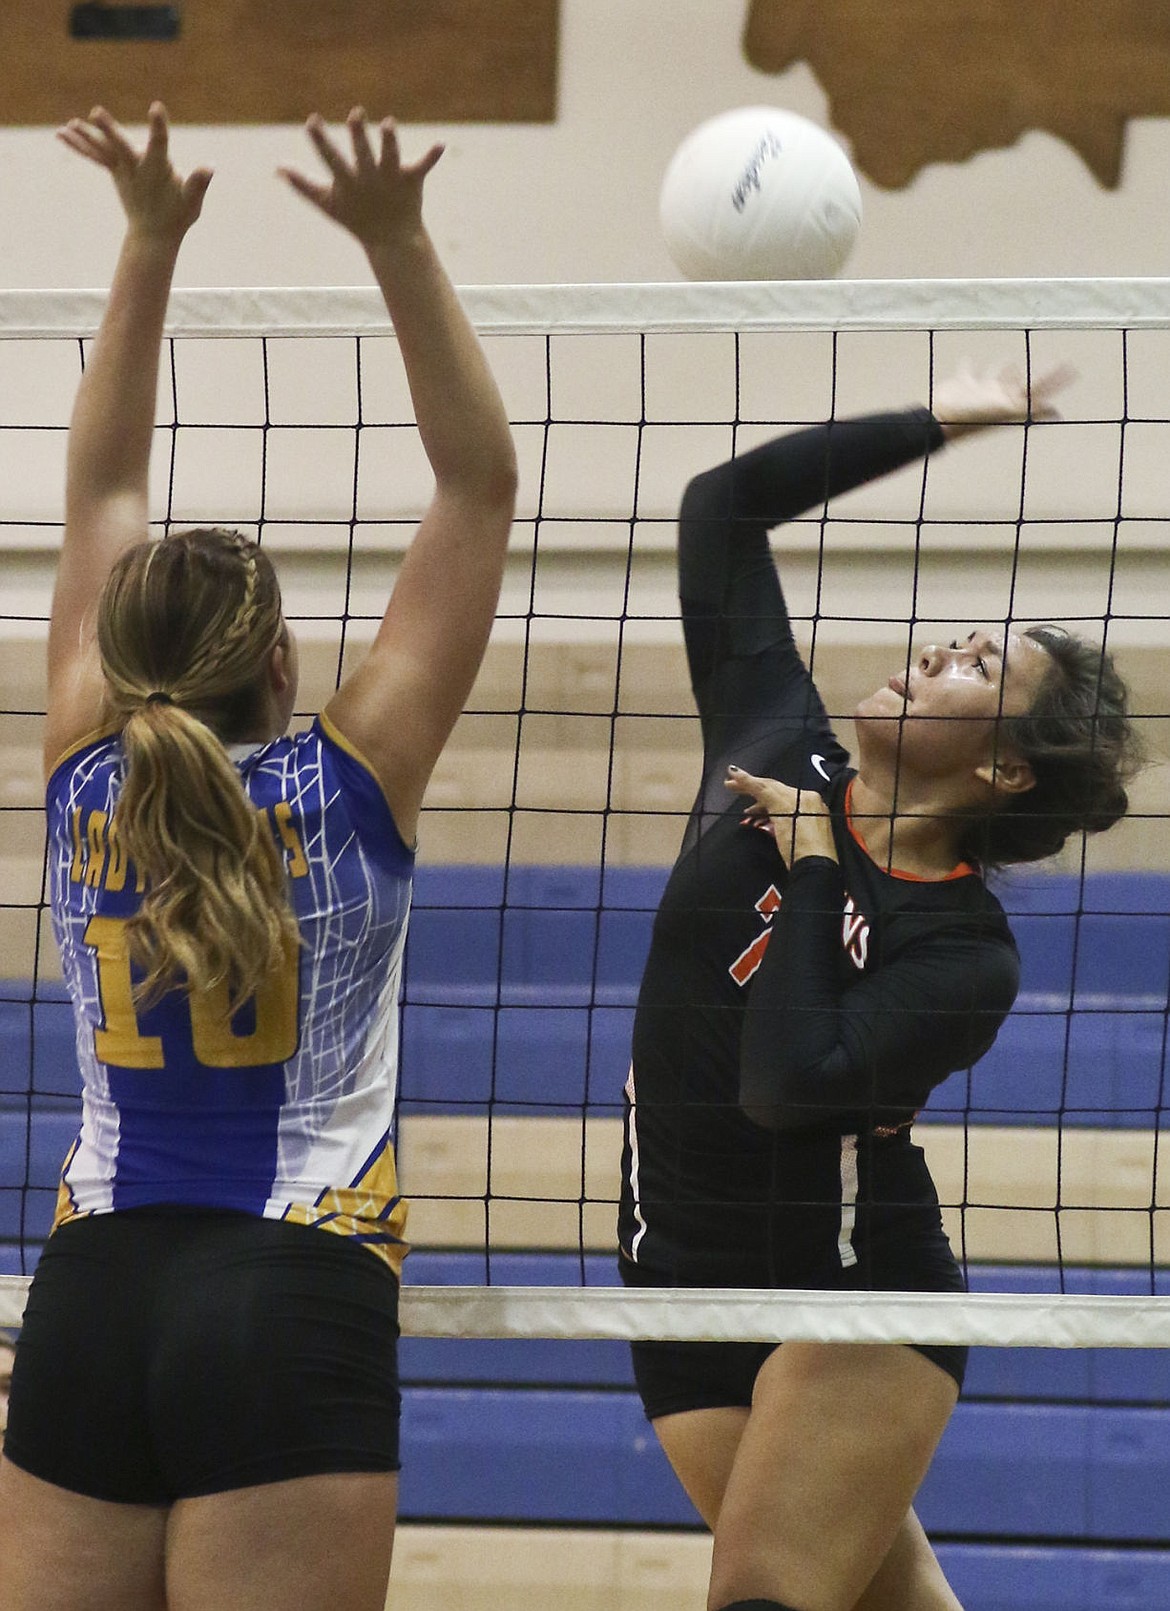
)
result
[(159, 698)]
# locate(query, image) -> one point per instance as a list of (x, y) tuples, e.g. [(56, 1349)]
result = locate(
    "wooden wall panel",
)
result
[(274, 61), (915, 81)]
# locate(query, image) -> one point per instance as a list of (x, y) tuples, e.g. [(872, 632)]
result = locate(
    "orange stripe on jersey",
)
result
[(963, 870)]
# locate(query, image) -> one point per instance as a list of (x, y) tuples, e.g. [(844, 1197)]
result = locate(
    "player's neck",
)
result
[(902, 832)]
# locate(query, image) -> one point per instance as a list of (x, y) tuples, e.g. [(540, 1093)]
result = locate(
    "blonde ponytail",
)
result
[(185, 629)]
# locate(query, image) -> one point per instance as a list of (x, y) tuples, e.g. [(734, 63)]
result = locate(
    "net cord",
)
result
[(1015, 304), (683, 1314)]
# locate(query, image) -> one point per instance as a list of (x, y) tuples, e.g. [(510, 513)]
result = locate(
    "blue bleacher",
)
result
[(1005, 1471), (1004, 1577), (565, 926), (569, 1455), (530, 1005), (36, 1041)]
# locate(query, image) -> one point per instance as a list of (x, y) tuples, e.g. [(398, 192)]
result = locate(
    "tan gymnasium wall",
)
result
[(574, 200)]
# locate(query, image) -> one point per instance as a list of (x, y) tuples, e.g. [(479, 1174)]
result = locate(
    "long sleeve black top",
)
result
[(787, 1016)]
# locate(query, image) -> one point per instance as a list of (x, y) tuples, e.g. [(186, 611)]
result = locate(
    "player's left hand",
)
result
[(971, 399), (375, 195), (809, 826)]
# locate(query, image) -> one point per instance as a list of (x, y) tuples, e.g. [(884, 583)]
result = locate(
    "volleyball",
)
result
[(759, 194)]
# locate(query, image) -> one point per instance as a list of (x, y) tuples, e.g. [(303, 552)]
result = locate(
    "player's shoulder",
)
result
[(82, 762), (973, 936), (349, 785), (316, 748)]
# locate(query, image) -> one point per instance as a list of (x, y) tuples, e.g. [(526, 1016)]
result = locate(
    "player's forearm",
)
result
[(460, 414), (113, 416), (788, 476)]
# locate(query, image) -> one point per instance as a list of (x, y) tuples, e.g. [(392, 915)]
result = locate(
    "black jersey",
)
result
[(826, 1001)]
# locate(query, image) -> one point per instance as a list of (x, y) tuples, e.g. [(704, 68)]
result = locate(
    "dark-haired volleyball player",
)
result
[(204, 1411), (825, 953)]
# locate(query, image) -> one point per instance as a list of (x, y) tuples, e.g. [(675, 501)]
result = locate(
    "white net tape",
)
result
[(1009, 304), (680, 1314)]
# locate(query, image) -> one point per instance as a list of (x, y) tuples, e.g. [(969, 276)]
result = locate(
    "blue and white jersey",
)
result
[(285, 1108)]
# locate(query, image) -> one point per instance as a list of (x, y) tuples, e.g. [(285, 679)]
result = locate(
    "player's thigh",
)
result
[(697, 1397), (309, 1544), (837, 1442), (63, 1551), (701, 1446)]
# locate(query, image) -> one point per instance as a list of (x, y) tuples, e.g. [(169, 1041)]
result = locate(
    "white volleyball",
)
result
[(760, 194)]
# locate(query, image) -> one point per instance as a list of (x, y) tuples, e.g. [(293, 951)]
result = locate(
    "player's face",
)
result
[(942, 709)]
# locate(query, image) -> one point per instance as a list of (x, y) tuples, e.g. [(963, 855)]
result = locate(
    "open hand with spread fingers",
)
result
[(374, 194), (972, 399), (158, 201)]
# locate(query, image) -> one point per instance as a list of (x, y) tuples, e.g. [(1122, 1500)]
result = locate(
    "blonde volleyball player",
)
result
[(826, 952), (204, 1410)]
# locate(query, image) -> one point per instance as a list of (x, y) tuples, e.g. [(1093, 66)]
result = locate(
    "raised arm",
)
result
[(113, 415), (732, 602), (400, 705)]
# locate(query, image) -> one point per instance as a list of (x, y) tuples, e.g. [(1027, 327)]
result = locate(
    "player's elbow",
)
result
[(765, 1115), (767, 1107), (706, 494), (496, 485), (485, 481), (782, 1118)]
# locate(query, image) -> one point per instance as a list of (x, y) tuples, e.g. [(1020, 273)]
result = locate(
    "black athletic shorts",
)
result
[(675, 1376), (171, 1352)]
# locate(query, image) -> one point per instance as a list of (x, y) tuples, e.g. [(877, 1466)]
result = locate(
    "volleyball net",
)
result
[(559, 804)]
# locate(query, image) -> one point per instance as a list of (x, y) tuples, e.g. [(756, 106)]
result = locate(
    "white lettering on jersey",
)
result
[(854, 937), (855, 934)]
